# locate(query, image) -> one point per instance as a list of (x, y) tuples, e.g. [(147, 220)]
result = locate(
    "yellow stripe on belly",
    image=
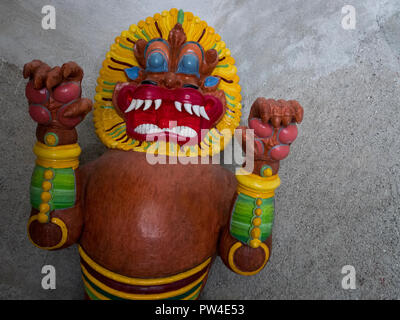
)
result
[(139, 281), (134, 296)]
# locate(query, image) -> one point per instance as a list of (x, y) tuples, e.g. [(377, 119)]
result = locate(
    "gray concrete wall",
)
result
[(339, 199)]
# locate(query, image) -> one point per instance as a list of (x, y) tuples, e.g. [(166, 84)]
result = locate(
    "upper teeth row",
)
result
[(198, 110), (137, 103)]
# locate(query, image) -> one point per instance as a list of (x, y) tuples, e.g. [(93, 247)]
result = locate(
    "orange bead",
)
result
[(257, 222), (46, 185), (44, 207), (256, 232), (45, 196), (43, 218), (267, 172), (258, 212), (48, 174), (258, 202), (255, 243), (50, 140)]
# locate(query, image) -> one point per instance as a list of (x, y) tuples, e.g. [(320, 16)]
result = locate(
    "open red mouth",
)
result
[(181, 115)]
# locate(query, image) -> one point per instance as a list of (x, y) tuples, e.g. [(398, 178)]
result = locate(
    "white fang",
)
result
[(196, 110), (147, 104), (157, 103), (138, 103), (188, 108), (131, 106), (203, 113), (178, 106)]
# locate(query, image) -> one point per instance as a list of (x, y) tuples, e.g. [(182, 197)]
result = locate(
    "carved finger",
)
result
[(40, 76), (261, 108), (286, 120), (266, 111), (276, 112), (287, 112), (72, 71), (298, 110), (79, 108), (54, 77), (255, 107), (30, 67)]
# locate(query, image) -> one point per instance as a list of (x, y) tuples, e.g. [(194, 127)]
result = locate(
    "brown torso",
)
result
[(145, 220)]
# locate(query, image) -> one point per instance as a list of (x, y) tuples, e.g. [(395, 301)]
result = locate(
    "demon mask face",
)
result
[(172, 96)]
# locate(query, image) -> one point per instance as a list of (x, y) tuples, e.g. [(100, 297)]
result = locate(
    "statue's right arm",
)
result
[(57, 184)]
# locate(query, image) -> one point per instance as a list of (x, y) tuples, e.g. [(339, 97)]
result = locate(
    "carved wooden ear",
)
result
[(138, 50), (210, 61)]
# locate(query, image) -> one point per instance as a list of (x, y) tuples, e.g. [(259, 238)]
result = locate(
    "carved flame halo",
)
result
[(109, 121)]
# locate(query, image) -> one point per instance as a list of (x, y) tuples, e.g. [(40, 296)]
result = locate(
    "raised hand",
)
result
[(274, 125), (54, 97)]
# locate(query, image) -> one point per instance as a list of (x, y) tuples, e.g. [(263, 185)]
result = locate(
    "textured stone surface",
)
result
[(339, 200)]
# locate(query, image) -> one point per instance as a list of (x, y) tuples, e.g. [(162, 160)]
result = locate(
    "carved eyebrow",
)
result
[(197, 44), (160, 51), (154, 40)]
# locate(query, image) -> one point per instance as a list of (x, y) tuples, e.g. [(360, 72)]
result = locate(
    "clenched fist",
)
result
[(274, 125), (54, 97)]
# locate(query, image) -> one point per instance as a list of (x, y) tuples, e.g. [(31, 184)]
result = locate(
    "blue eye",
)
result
[(156, 62), (189, 64)]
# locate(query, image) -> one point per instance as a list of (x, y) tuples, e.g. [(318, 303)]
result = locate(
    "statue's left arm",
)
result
[(245, 243)]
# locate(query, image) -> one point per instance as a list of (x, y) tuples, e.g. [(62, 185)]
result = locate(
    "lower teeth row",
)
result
[(152, 129)]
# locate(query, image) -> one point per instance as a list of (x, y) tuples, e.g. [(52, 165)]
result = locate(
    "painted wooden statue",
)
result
[(168, 86)]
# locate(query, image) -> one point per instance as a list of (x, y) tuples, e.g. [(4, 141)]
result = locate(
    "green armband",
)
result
[(253, 213), (53, 184)]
